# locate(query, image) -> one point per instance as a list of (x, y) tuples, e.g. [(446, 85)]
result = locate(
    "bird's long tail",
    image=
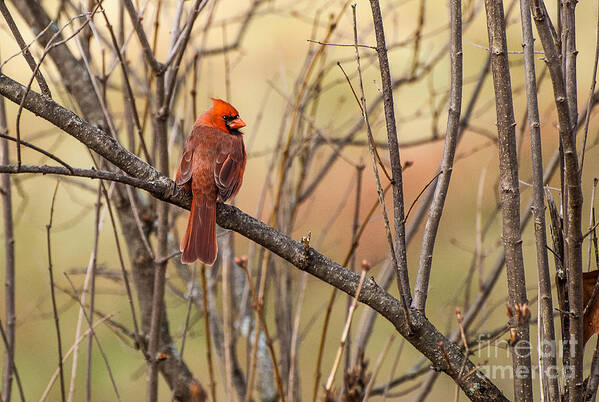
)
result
[(199, 242)]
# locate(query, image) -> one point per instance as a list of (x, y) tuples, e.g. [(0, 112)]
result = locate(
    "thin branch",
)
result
[(546, 328), (92, 294), (403, 281), (24, 49), (11, 361), (392, 246), (87, 173), (66, 356), (49, 46), (341, 44), (54, 309), (350, 315), (212, 383), (591, 92), (141, 35), (9, 261), (124, 272), (94, 336), (446, 166), (130, 97), (377, 366), (38, 149), (191, 295)]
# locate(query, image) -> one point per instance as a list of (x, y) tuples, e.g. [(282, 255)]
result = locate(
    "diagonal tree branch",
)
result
[(422, 334)]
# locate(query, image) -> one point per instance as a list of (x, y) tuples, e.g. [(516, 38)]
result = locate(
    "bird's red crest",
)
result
[(220, 108), (213, 117)]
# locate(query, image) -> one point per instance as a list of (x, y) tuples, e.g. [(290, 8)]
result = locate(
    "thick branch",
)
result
[(573, 213), (422, 334), (510, 200)]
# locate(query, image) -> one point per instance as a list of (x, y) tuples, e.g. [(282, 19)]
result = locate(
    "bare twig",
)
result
[(377, 366), (24, 49), (50, 45), (350, 315), (260, 325), (564, 93), (509, 195), (446, 166), (403, 281), (341, 44), (226, 266), (589, 102), (392, 246), (130, 97), (546, 328), (11, 361), (94, 337), (191, 295), (212, 384), (124, 272), (92, 294), (9, 261), (54, 309), (66, 356), (38, 149), (141, 35)]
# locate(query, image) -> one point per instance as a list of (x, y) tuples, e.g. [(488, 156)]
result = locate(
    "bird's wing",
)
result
[(228, 170), (185, 166)]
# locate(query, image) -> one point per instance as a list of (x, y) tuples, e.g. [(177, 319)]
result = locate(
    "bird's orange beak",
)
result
[(237, 123)]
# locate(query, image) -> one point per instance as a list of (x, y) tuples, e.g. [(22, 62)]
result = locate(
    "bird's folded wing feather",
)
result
[(185, 168), (184, 171), (228, 174)]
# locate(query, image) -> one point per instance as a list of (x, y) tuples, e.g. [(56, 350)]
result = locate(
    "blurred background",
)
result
[(260, 76)]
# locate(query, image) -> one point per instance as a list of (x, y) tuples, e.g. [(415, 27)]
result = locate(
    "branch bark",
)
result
[(451, 140), (403, 280), (24, 49), (546, 326), (510, 201), (573, 210), (9, 261)]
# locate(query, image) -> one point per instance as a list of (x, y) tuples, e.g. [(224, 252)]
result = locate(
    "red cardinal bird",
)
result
[(214, 160)]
